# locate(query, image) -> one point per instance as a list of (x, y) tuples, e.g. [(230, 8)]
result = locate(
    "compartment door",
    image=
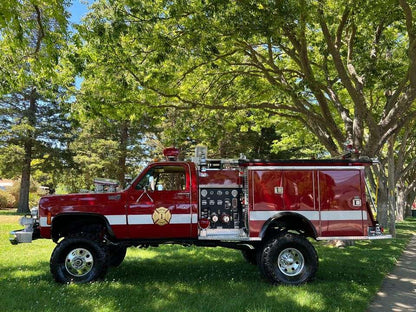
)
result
[(340, 202)]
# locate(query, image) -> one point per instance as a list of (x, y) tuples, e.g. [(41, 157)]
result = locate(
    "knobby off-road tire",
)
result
[(116, 255), (78, 259), (250, 255), (288, 259)]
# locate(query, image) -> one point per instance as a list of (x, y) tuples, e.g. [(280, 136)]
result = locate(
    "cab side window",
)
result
[(164, 178)]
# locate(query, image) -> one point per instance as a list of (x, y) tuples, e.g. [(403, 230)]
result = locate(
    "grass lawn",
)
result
[(175, 278)]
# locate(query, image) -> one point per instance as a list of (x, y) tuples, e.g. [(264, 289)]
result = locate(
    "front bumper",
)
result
[(26, 235), (20, 236)]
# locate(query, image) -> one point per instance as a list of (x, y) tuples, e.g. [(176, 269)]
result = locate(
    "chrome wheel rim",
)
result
[(79, 262), (290, 262)]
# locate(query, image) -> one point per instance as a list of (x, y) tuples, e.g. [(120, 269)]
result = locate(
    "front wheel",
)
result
[(288, 259), (78, 260)]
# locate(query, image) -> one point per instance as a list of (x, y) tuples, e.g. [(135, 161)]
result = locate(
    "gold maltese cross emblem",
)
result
[(161, 216)]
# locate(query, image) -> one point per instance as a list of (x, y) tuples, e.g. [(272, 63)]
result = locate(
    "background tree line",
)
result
[(270, 79)]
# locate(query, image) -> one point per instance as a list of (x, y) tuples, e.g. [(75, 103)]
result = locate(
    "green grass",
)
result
[(174, 278)]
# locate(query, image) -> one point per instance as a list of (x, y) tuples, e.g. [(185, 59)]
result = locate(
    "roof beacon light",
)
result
[(171, 153)]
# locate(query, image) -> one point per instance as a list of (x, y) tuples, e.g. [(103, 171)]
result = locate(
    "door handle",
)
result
[(184, 194)]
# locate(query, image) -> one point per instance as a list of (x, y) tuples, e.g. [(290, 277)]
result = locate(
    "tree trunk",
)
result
[(23, 206), (391, 187), (400, 204), (382, 202), (124, 135)]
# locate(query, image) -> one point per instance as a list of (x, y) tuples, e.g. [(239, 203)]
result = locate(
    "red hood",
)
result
[(88, 202)]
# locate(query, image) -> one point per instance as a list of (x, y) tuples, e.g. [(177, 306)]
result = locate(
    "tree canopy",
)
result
[(266, 78), (345, 70), (33, 37)]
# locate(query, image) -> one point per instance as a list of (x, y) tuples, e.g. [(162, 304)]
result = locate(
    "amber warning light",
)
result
[(171, 153)]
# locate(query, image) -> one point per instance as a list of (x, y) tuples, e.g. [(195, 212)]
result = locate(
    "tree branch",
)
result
[(41, 33)]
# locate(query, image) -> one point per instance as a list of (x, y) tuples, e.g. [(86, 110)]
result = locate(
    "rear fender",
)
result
[(288, 221)]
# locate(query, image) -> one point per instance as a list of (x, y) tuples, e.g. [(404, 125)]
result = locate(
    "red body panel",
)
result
[(329, 194), (130, 213), (181, 204), (108, 204), (332, 198), (224, 178)]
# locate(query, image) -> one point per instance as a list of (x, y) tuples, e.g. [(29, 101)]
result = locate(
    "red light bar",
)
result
[(171, 153)]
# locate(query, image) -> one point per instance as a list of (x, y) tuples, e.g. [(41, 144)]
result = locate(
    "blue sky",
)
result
[(78, 9)]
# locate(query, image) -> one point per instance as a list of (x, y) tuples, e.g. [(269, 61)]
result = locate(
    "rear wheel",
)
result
[(78, 260), (288, 259)]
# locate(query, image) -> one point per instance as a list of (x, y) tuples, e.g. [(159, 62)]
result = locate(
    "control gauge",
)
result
[(204, 193)]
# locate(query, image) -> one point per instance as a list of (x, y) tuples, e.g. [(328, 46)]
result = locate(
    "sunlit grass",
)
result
[(175, 278)]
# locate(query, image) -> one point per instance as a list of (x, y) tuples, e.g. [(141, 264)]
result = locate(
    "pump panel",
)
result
[(222, 206)]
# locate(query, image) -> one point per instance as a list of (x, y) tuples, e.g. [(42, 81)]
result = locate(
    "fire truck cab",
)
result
[(270, 210)]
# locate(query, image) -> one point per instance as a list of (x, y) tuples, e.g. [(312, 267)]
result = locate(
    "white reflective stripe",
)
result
[(180, 218), (176, 219), (343, 215), (116, 219), (140, 219), (313, 215), (43, 222), (265, 215)]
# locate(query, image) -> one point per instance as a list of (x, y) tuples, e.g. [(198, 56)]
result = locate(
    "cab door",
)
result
[(159, 203)]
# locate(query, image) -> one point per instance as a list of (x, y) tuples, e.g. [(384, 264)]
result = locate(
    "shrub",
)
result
[(7, 200), (14, 190)]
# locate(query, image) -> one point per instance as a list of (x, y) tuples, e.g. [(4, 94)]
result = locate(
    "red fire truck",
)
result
[(270, 210)]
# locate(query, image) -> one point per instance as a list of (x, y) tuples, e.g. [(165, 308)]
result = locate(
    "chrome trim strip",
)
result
[(221, 186), (387, 236), (229, 238), (283, 168)]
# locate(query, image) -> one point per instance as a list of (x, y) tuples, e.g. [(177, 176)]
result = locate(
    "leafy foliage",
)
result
[(172, 278), (345, 71), (33, 36), (302, 60)]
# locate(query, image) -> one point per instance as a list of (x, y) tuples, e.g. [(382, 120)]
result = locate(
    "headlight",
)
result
[(34, 212)]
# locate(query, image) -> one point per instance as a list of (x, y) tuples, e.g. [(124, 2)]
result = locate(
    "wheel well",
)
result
[(66, 224), (288, 222)]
